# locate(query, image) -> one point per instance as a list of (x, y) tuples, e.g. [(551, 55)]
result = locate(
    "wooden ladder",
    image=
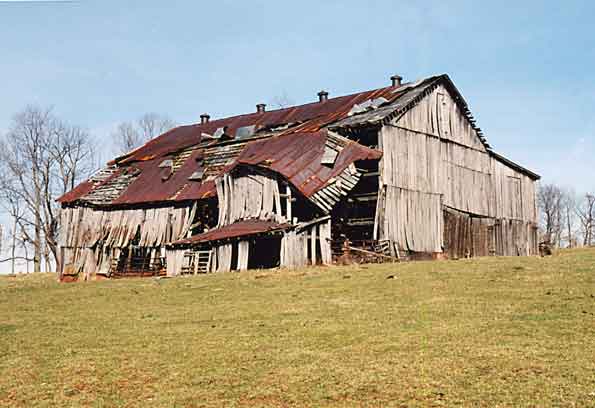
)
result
[(203, 261), (196, 262)]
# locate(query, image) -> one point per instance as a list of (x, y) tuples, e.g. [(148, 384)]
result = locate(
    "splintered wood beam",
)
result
[(293, 199), (365, 197), (360, 221), (312, 222), (372, 253)]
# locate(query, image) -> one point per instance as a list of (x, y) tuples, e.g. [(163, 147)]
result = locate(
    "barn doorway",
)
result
[(265, 252)]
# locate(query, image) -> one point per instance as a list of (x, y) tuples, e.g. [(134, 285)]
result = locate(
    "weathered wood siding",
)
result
[(410, 218), (433, 159), (438, 115), (175, 261), (308, 243), (155, 226), (91, 239), (514, 194), (248, 196), (294, 249)]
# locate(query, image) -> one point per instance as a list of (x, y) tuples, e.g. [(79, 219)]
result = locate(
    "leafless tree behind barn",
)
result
[(566, 219), (550, 202), (130, 135), (41, 157), (586, 215)]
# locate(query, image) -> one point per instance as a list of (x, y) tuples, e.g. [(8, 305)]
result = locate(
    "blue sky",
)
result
[(524, 67)]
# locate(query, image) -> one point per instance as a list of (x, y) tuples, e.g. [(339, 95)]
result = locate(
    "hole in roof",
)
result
[(219, 132), (367, 105), (197, 175), (166, 163), (245, 132)]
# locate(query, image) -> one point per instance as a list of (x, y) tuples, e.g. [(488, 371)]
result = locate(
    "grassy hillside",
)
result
[(485, 332)]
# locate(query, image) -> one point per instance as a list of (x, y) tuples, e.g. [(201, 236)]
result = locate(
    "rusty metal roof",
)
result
[(308, 117), (235, 230), (294, 150), (154, 185)]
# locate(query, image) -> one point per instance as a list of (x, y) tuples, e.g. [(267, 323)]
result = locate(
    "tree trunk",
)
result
[(37, 246), (37, 253), (47, 259), (56, 255), (569, 226), (14, 244)]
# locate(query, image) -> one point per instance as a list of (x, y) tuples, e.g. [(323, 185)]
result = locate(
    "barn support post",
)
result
[(288, 197), (313, 244)]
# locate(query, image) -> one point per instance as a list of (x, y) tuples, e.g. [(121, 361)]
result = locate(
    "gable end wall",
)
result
[(433, 159)]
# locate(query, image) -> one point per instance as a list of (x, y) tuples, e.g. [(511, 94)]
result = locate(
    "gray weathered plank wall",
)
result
[(433, 159), (90, 239)]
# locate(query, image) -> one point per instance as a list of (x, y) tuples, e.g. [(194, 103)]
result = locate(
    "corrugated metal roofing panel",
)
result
[(298, 158), (150, 185), (235, 230)]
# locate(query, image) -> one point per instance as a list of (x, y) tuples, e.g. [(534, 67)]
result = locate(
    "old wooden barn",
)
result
[(399, 172)]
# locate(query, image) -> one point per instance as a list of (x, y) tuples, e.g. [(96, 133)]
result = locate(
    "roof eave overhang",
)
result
[(533, 176)]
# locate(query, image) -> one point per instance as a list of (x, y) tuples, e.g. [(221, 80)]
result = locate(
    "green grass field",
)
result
[(488, 332)]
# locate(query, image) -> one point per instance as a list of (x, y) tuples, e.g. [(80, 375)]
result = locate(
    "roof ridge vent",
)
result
[(322, 96), (396, 80)]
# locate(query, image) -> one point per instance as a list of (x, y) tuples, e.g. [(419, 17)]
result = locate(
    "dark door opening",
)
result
[(264, 252)]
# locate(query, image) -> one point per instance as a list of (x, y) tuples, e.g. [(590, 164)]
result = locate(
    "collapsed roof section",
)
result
[(299, 159)]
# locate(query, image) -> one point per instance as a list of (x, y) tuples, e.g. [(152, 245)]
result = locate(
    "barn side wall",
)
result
[(434, 162), (91, 240)]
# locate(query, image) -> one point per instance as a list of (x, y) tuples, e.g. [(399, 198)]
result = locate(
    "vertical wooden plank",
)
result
[(313, 244), (325, 246), (243, 249)]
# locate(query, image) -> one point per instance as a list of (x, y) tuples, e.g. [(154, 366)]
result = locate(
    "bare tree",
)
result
[(41, 158), (282, 101), (73, 154), (71, 159), (129, 136), (569, 216), (549, 201), (23, 154), (586, 214), (13, 206)]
